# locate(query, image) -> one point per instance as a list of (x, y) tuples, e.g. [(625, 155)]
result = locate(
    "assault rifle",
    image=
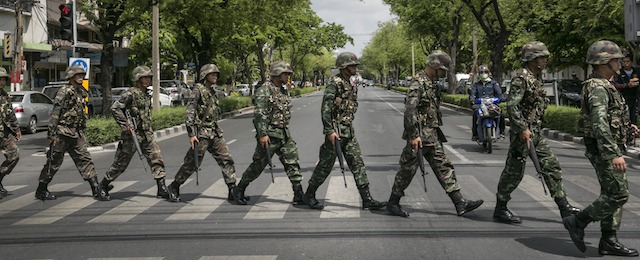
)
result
[(196, 149), (135, 137), (421, 159), (266, 150), (536, 164), (338, 146)]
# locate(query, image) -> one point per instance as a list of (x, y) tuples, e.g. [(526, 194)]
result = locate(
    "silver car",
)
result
[(32, 108)]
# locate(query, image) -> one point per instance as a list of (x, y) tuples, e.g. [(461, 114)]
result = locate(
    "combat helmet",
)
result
[(439, 60), (345, 59), (532, 50), (279, 67), (3, 73), (601, 52), (139, 72), (73, 70), (208, 68)]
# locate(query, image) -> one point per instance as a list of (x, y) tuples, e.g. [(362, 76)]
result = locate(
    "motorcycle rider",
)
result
[(484, 88)]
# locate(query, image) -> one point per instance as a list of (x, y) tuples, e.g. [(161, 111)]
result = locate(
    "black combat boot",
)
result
[(565, 208), (504, 215), (97, 191), (298, 194), (463, 206), (575, 224), (106, 185), (310, 197), (3, 191), (238, 194), (394, 208), (609, 245), (174, 189), (163, 192), (42, 193), (230, 195), (367, 201)]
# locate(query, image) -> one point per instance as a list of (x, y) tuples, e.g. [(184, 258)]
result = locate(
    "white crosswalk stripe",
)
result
[(341, 202), (415, 200), (533, 187), (66, 208), (240, 257), (129, 209), (11, 205), (200, 208), (274, 202), (591, 184)]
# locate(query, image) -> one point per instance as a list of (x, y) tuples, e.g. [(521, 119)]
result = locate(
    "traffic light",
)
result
[(66, 21)]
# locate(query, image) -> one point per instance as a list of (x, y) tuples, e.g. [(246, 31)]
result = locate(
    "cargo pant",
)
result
[(220, 152), (10, 150), (516, 160), (614, 190), (437, 159), (127, 149), (286, 150), (352, 155), (77, 149)]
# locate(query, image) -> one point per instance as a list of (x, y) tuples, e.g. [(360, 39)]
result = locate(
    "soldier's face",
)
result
[(3, 81), (78, 78), (145, 81), (441, 73), (212, 77), (541, 62), (352, 69), (284, 77)]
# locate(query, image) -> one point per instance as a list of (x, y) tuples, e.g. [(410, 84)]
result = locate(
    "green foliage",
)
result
[(232, 103), (562, 118)]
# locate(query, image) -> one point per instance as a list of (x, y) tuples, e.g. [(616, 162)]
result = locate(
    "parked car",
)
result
[(464, 86), (32, 108), (165, 99), (95, 95), (570, 92), (244, 89), (220, 93), (179, 91)]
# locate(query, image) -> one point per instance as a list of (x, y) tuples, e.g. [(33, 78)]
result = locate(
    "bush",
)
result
[(562, 118), (233, 103)]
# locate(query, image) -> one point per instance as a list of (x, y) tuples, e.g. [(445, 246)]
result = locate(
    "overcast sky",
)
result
[(359, 18)]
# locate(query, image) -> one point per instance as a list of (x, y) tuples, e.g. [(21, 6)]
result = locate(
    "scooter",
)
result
[(489, 115)]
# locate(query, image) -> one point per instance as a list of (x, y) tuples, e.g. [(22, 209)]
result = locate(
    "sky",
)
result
[(360, 18)]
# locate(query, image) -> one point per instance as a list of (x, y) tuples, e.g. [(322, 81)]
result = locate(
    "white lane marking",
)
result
[(201, 208), (66, 208), (231, 141), (465, 127), (456, 153), (533, 187), (9, 205), (341, 202), (274, 202), (129, 209), (240, 257), (394, 108)]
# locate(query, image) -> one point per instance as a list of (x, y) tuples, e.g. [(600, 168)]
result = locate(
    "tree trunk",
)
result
[(263, 69), (106, 70)]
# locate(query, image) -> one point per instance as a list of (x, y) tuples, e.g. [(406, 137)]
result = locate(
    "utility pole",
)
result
[(155, 49), (75, 29), (17, 58), (413, 60), (475, 56)]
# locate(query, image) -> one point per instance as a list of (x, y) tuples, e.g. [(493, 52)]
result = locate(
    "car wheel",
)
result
[(33, 125)]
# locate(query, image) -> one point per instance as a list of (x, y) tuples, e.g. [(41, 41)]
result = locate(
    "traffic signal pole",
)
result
[(75, 29)]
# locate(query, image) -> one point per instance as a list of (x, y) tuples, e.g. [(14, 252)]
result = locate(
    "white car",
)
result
[(165, 99), (244, 89)]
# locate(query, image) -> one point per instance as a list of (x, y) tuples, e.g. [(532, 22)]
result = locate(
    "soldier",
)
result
[(604, 123), (133, 114), (9, 132), (526, 104), (339, 107), (422, 110), (271, 119), (67, 134), (202, 117)]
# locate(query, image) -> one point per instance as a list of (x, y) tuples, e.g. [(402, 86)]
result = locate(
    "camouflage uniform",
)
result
[(137, 104), (67, 129), (9, 129), (526, 104), (604, 121), (271, 118), (201, 119), (422, 109), (339, 106)]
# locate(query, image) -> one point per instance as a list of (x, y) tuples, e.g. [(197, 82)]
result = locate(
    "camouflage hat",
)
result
[(141, 71), (208, 68), (279, 67), (601, 52), (74, 70), (533, 50), (3, 73), (439, 60), (345, 59)]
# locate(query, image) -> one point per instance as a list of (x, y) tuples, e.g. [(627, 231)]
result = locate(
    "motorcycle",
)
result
[(489, 114)]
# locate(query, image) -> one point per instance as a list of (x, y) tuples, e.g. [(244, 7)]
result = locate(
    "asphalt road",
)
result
[(136, 225)]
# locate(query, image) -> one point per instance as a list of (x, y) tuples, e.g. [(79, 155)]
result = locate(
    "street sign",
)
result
[(83, 62), (8, 47), (631, 20)]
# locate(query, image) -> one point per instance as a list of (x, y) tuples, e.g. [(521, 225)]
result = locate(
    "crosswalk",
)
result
[(274, 203)]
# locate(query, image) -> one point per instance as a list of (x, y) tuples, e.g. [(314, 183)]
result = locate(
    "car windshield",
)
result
[(17, 98), (51, 91), (167, 85)]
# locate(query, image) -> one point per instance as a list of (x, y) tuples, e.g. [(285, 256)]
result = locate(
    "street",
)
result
[(137, 225)]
